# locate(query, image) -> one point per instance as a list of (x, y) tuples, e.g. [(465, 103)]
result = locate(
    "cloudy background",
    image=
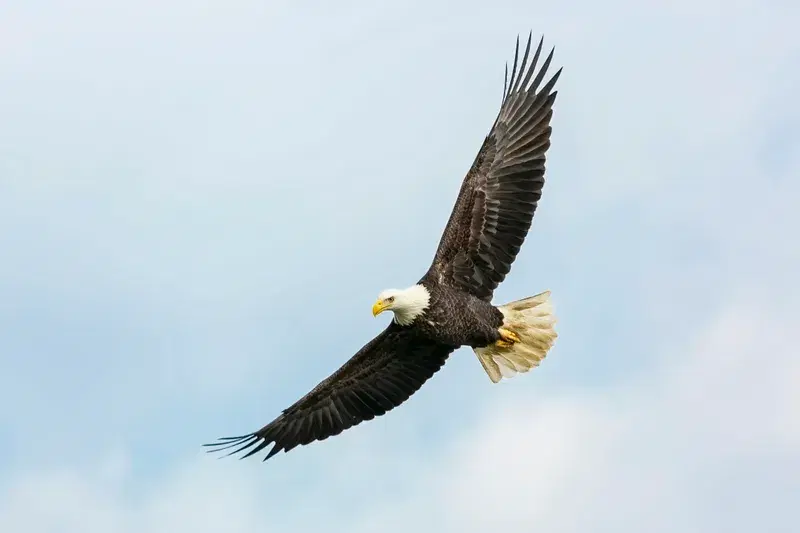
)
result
[(180, 182)]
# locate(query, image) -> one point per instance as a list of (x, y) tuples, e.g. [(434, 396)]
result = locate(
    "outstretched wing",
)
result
[(499, 195), (381, 376)]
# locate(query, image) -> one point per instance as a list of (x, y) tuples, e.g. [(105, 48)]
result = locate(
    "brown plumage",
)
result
[(499, 195), (450, 306), (381, 376)]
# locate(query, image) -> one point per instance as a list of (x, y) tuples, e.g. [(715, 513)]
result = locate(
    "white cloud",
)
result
[(633, 456), (636, 456), (87, 502), (662, 220)]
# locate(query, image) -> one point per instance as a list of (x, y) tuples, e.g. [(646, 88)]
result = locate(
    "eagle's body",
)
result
[(456, 318), (450, 306)]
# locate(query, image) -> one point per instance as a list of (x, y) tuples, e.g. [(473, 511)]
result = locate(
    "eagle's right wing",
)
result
[(381, 376)]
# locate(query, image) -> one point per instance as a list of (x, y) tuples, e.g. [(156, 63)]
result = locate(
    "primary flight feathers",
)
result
[(450, 306)]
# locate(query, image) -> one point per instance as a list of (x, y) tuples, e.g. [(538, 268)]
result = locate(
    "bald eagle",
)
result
[(450, 306)]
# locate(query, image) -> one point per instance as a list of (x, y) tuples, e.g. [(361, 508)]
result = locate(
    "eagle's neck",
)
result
[(411, 304)]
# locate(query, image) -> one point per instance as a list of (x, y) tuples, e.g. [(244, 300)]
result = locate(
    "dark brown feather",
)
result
[(381, 376), (501, 191)]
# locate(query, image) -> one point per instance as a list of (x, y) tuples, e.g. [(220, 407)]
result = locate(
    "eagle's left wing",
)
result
[(381, 376), (501, 191)]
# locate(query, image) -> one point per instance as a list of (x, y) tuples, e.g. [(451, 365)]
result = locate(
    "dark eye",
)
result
[(390, 299)]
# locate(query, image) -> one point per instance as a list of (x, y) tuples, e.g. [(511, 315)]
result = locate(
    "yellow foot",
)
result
[(507, 338)]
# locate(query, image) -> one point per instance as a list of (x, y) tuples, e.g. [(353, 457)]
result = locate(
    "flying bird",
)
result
[(450, 306)]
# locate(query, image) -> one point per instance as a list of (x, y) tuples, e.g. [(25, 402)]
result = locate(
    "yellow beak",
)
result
[(378, 308)]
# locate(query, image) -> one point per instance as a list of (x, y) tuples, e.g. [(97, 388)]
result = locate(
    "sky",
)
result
[(199, 202)]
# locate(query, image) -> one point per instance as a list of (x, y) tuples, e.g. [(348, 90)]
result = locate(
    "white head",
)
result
[(407, 304)]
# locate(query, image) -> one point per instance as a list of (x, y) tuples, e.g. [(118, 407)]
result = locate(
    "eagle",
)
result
[(450, 306)]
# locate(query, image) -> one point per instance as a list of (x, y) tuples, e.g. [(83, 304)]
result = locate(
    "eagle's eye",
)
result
[(390, 299)]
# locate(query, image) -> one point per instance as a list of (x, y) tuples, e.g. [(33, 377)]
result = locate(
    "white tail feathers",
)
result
[(533, 321)]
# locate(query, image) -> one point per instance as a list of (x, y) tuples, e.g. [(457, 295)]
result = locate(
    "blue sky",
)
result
[(199, 203)]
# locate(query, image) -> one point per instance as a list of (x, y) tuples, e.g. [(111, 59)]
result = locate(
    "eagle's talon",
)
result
[(508, 337), (500, 343)]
